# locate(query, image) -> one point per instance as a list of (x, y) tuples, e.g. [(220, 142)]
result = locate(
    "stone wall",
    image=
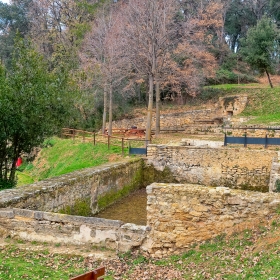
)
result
[(91, 183), (179, 120), (58, 228), (233, 105), (236, 168), (179, 215), (253, 132), (275, 175), (187, 119)]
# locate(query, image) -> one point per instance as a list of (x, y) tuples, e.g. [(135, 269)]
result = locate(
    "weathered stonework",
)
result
[(93, 183), (250, 132), (275, 174), (236, 168), (179, 120), (187, 119), (233, 105), (179, 215), (58, 228)]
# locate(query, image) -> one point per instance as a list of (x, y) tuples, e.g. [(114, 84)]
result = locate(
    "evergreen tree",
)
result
[(13, 20), (33, 106), (261, 47)]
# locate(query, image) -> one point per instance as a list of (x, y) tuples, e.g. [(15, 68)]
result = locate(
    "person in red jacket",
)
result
[(19, 162)]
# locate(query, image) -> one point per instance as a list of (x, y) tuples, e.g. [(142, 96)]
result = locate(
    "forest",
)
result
[(82, 63)]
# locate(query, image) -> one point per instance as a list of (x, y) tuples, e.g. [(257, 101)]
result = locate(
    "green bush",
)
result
[(6, 184), (277, 186), (224, 76), (209, 93)]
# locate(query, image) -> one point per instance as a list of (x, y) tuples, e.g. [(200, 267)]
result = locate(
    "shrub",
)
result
[(6, 184), (277, 186)]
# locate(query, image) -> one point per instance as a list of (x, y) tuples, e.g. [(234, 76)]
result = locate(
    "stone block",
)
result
[(24, 213), (7, 213)]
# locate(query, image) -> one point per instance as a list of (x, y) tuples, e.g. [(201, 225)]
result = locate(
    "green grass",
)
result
[(64, 156), (263, 102), (234, 86), (264, 106), (21, 264)]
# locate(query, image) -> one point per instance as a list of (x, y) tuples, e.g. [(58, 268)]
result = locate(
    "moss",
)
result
[(248, 187), (144, 176), (277, 186), (80, 208), (152, 175), (228, 100), (114, 195)]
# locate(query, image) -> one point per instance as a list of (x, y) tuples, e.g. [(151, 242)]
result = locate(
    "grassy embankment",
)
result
[(61, 156), (263, 102)]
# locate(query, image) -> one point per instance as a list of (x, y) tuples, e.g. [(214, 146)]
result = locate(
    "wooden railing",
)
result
[(96, 274), (119, 140)]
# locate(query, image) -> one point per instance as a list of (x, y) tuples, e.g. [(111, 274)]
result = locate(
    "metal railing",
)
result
[(251, 140)]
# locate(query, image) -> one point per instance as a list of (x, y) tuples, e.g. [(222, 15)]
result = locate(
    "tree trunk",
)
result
[(270, 83), (110, 109), (157, 109), (105, 100), (150, 107)]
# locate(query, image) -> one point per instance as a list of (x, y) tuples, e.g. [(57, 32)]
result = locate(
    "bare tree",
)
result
[(150, 35), (102, 55)]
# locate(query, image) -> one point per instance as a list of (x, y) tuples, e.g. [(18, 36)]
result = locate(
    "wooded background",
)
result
[(81, 63)]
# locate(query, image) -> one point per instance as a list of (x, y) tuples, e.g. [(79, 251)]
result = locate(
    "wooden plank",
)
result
[(98, 273), (86, 276), (92, 275)]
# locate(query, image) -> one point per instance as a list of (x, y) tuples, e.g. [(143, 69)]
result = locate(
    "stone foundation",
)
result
[(180, 215), (64, 229), (238, 168)]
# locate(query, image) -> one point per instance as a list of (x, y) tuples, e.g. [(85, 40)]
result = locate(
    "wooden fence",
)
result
[(118, 140)]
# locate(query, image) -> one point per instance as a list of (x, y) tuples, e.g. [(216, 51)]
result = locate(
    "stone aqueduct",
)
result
[(195, 192)]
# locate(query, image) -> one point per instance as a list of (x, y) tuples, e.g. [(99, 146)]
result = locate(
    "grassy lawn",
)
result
[(25, 264)]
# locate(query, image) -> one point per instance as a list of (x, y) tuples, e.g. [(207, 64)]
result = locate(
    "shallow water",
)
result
[(131, 209)]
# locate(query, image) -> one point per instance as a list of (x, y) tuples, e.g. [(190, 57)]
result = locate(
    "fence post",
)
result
[(265, 141), (94, 138), (84, 135), (73, 135), (122, 147), (245, 140), (225, 139)]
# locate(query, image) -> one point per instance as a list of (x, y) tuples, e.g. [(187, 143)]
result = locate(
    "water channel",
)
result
[(131, 209)]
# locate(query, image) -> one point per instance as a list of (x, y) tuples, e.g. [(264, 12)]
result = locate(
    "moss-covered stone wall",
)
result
[(87, 190)]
